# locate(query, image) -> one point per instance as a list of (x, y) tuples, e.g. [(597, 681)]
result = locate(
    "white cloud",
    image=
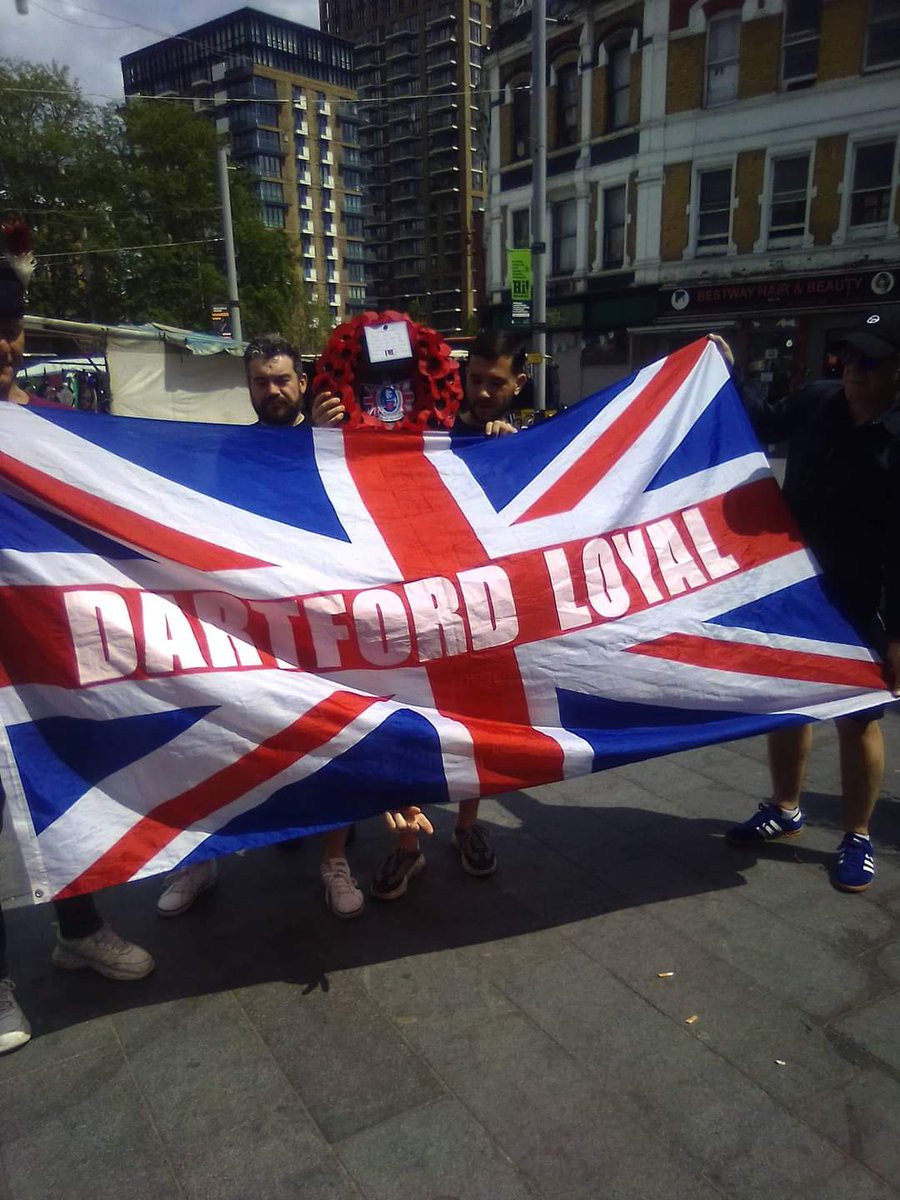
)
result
[(90, 36)]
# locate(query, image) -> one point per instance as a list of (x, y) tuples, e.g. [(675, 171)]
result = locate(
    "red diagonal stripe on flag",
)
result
[(122, 524), (157, 829), (427, 534), (767, 661), (598, 458)]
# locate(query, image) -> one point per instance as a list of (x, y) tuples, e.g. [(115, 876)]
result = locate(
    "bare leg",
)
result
[(467, 815), (788, 754), (334, 844), (862, 770)]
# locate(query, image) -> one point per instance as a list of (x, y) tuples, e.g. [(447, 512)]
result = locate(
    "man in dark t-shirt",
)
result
[(841, 483)]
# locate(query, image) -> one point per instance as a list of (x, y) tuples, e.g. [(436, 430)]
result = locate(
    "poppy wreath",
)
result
[(434, 375)]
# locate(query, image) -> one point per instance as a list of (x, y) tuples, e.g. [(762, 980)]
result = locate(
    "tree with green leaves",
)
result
[(59, 170), (127, 217)]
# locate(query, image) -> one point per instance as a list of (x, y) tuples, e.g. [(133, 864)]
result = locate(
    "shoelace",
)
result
[(475, 839), (341, 880)]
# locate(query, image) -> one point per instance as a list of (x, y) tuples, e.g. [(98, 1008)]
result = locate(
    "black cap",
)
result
[(878, 338)]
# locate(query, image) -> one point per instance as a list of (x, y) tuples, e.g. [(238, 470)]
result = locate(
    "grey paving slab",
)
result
[(213, 1087), (862, 1118), (52, 1048), (342, 1055), (81, 1129), (875, 1028), (803, 969), (742, 1020), (852, 1182), (438, 1152), (691, 1095), (564, 1130)]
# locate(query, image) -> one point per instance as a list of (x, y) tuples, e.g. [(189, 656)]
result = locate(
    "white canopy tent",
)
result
[(164, 373)]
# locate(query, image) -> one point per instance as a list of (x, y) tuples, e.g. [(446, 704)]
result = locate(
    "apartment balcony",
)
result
[(348, 110), (302, 127), (401, 49), (445, 103), (311, 276), (437, 17), (323, 107), (303, 177), (300, 104)]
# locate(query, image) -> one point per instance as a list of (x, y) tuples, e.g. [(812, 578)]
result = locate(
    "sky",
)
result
[(90, 36)]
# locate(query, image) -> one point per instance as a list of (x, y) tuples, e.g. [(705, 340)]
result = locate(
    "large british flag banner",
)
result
[(215, 637)]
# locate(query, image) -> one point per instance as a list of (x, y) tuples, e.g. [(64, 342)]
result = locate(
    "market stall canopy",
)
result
[(166, 373)]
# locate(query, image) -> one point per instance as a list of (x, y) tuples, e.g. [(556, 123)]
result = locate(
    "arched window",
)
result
[(567, 89), (521, 120)]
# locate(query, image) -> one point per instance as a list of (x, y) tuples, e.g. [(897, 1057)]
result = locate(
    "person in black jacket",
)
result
[(842, 482)]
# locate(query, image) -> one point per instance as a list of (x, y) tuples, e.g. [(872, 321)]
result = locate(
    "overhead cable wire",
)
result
[(126, 249)]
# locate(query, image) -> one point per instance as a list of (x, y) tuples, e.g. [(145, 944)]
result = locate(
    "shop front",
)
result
[(784, 331)]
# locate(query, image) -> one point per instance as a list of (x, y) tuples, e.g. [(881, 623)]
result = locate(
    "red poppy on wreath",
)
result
[(418, 389)]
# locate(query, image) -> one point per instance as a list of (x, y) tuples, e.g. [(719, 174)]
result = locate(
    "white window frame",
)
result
[(885, 66), (766, 241), (874, 232), (798, 80), (602, 189), (694, 249), (554, 203), (718, 19)]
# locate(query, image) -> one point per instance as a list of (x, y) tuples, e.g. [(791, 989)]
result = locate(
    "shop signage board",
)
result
[(848, 287)]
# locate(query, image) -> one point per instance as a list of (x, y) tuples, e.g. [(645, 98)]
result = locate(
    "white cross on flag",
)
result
[(214, 637)]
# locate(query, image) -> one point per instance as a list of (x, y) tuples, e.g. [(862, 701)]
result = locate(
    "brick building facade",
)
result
[(710, 165)]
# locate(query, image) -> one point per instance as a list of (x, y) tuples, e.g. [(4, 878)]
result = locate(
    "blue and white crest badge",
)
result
[(389, 402)]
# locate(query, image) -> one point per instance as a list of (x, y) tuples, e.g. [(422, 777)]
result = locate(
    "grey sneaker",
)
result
[(342, 895), (14, 1028), (394, 874), (475, 851), (184, 886), (104, 952)]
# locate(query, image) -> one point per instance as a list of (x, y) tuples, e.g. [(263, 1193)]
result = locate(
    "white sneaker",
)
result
[(184, 886), (342, 895), (104, 952), (14, 1028)]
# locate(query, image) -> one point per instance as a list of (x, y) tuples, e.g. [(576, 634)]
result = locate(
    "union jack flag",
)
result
[(216, 637)]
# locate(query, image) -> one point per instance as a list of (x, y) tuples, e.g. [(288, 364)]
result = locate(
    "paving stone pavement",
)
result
[(500, 1039)]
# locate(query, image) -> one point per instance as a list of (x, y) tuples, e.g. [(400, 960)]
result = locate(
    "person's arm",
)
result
[(772, 421)]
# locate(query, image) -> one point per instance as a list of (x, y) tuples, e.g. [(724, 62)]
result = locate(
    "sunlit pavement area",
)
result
[(630, 1008)]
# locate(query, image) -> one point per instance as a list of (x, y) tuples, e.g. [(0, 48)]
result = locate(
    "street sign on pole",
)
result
[(519, 264)]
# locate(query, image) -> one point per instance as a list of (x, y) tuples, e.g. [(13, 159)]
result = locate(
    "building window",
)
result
[(883, 38), (273, 216), (521, 121), (564, 237), (714, 210), (567, 86), (521, 229), (800, 48), (787, 211), (614, 215), (873, 172), (618, 111), (722, 50)]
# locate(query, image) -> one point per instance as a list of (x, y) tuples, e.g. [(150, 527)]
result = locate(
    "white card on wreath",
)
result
[(388, 342)]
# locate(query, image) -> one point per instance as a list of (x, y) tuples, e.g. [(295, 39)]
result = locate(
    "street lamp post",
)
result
[(539, 199)]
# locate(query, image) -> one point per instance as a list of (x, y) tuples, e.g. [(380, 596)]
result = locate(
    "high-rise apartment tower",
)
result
[(286, 94), (419, 74)]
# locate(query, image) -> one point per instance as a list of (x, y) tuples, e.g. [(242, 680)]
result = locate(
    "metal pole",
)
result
[(539, 199), (234, 306)]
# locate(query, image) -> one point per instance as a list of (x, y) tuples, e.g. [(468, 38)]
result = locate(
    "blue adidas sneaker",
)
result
[(767, 823), (855, 867)]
